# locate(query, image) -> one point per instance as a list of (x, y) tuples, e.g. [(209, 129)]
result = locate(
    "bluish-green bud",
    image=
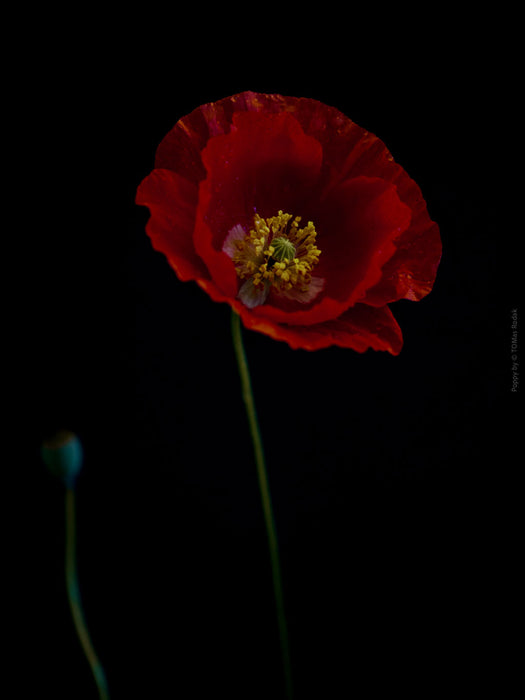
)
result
[(63, 456)]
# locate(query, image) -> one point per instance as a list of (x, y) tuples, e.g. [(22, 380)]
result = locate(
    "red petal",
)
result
[(264, 164), (359, 328), (359, 222), (172, 201), (357, 225), (181, 148), (411, 271), (350, 151)]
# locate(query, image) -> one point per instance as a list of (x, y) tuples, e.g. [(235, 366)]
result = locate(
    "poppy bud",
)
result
[(62, 454)]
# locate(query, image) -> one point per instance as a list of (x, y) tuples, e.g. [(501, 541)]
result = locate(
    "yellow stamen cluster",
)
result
[(278, 252)]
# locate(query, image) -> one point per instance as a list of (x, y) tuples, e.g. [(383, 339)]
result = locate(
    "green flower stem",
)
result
[(265, 496), (73, 594)]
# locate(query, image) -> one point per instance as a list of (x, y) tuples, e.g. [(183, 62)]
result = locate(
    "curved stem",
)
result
[(73, 594), (265, 496)]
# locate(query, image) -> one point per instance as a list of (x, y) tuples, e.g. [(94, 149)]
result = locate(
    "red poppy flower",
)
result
[(295, 216)]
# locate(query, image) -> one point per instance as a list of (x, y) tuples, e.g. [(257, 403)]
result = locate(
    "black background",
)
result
[(392, 477)]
